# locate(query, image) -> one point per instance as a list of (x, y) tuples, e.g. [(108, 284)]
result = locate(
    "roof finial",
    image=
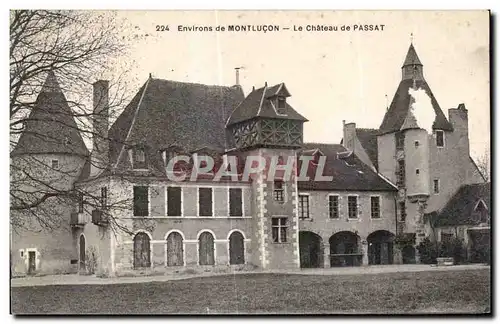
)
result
[(411, 38), (265, 84), (386, 102), (150, 75)]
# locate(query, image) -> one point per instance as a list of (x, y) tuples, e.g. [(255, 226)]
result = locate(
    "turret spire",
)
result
[(412, 67)]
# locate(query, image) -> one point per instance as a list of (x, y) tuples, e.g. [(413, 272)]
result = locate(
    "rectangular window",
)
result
[(141, 201), (352, 206), (303, 206), (104, 197), (205, 202), (436, 186), (333, 206), (400, 140), (279, 228), (279, 191), (235, 202), (402, 211), (401, 173), (174, 201), (55, 164), (375, 207), (440, 138), (80, 202)]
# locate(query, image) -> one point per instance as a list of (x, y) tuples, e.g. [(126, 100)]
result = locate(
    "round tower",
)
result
[(417, 163)]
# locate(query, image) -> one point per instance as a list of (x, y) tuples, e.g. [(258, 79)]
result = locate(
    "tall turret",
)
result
[(265, 126)]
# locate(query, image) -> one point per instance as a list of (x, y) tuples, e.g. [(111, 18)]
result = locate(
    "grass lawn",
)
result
[(396, 293)]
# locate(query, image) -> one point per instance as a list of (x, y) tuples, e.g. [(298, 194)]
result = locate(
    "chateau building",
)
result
[(128, 215)]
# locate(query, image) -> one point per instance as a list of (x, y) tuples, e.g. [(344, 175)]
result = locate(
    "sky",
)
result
[(332, 76)]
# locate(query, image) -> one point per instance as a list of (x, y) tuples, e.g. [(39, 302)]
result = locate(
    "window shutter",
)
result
[(158, 201)]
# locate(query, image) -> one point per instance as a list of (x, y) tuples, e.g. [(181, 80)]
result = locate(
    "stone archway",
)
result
[(344, 249), (381, 247), (311, 254)]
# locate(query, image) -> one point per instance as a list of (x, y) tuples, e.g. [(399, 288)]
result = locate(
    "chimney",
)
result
[(349, 135), (460, 120), (237, 75), (100, 123)]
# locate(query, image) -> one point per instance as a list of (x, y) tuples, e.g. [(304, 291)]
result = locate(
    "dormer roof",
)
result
[(259, 103)]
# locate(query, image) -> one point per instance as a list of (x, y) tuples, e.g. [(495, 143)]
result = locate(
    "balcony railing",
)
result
[(78, 219)]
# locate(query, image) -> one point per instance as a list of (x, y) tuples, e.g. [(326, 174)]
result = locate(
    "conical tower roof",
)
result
[(400, 108), (412, 57), (50, 127)]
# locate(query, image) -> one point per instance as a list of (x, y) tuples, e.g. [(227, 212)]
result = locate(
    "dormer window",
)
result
[(140, 156), (281, 105)]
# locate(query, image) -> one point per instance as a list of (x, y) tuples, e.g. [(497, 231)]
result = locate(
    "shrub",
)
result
[(454, 248), (428, 251)]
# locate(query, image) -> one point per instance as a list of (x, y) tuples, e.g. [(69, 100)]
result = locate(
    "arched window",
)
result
[(142, 251), (206, 249), (175, 250), (236, 248)]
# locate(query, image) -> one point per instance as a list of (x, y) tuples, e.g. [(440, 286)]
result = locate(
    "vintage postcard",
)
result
[(250, 162)]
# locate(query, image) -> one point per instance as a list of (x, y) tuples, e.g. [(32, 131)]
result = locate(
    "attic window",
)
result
[(140, 156), (281, 105)]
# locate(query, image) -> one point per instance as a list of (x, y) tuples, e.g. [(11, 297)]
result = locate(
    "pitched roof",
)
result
[(50, 127), (348, 172), (165, 113), (257, 104), (368, 139), (412, 57), (400, 105), (460, 207)]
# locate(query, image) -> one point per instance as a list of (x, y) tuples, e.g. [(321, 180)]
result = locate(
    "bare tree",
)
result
[(80, 47), (484, 163)]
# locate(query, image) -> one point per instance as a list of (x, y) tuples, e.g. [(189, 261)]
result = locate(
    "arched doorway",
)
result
[(206, 253), (408, 253), (380, 247), (236, 248), (82, 266), (175, 250), (310, 250), (142, 250), (344, 249)]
